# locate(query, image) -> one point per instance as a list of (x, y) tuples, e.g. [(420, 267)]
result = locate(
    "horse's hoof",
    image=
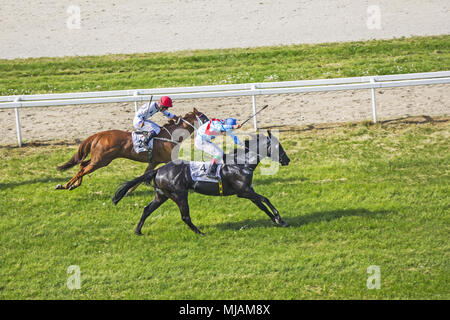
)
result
[(71, 188), (282, 223), (138, 233), (58, 187)]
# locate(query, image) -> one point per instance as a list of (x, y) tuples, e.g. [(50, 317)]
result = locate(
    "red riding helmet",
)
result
[(165, 102)]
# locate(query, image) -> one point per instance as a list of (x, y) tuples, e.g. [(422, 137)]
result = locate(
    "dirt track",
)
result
[(27, 31), (74, 123), (51, 28)]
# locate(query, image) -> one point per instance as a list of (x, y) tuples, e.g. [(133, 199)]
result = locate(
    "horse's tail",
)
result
[(122, 191), (82, 153)]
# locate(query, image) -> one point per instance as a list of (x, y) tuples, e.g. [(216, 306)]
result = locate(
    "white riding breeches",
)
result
[(208, 147), (148, 126)]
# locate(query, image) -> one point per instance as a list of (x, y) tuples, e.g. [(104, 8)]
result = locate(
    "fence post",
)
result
[(255, 120), (136, 93), (19, 133), (374, 104)]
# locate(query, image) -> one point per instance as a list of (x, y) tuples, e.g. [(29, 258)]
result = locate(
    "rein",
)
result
[(266, 156), (164, 139), (170, 134), (193, 127), (258, 154)]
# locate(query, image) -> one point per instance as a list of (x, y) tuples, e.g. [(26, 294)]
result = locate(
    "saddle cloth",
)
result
[(200, 169), (138, 143)]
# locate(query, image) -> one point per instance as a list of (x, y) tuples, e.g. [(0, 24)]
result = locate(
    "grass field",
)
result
[(355, 196), (207, 67)]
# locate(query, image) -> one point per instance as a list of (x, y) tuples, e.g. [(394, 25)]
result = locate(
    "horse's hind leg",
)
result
[(91, 167), (69, 184), (75, 178), (76, 181), (157, 201), (83, 171), (181, 199)]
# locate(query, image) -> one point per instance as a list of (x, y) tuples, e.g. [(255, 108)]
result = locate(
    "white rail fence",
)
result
[(219, 91)]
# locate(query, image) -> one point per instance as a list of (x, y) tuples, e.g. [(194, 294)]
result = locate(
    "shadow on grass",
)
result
[(313, 217), (421, 119), (4, 186), (277, 179)]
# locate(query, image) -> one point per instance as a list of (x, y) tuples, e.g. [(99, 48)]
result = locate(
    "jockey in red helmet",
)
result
[(165, 102), (142, 122)]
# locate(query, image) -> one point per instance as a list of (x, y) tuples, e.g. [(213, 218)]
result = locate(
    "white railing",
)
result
[(217, 91)]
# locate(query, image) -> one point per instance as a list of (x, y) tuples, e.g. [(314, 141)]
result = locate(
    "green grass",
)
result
[(354, 195), (208, 67)]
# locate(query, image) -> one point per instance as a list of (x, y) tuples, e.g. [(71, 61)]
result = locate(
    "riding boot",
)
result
[(148, 137), (212, 171)]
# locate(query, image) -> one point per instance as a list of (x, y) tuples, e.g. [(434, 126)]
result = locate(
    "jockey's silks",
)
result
[(148, 110), (215, 127), (142, 122)]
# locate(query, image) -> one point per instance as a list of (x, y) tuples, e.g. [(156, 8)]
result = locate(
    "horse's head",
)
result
[(275, 150), (194, 119), (262, 146)]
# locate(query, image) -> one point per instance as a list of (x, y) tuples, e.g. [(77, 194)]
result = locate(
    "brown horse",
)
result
[(108, 145)]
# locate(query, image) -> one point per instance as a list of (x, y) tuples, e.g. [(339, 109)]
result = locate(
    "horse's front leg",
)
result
[(259, 201), (278, 219), (181, 199)]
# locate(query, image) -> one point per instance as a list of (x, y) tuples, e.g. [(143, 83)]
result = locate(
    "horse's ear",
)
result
[(195, 110)]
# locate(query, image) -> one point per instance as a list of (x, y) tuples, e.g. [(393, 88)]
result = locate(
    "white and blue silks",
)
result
[(208, 131)]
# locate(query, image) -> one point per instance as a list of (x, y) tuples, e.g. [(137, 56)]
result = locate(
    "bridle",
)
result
[(270, 147), (269, 150), (199, 120), (186, 122)]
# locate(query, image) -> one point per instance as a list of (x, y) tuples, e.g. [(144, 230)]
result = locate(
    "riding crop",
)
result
[(242, 124)]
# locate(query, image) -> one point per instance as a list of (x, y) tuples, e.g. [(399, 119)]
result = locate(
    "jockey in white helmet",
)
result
[(209, 131)]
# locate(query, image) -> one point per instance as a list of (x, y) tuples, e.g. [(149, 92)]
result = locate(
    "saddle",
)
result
[(138, 142), (199, 171)]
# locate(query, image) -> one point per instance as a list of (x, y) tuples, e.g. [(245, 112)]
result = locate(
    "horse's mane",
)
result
[(259, 138), (238, 152)]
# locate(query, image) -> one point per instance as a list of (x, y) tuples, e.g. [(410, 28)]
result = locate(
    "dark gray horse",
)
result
[(173, 180)]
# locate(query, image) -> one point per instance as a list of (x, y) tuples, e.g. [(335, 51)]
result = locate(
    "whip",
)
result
[(242, 124)]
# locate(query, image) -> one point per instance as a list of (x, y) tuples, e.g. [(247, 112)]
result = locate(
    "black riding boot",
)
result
[(212, 171), (149, 136)]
